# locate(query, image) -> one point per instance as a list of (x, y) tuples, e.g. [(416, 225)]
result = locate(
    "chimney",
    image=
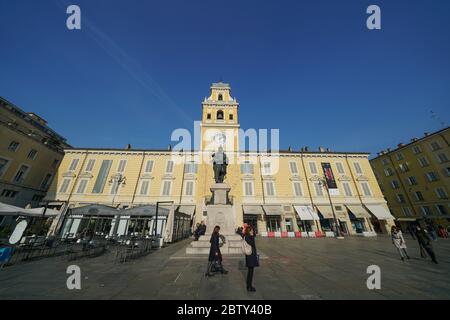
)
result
[(290, 149), (306, 149), (321, 149), (426, 134), (128, 147), (401, 144), (169, 147)]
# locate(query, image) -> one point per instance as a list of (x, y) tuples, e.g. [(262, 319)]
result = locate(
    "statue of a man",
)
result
[(220, 163)]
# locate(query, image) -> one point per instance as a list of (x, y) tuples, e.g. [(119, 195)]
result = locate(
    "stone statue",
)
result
[(220, 163)]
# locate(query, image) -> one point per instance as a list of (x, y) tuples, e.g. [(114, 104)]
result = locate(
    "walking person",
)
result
[(251, 261), (425, 243), (399, 242), (215, 256)]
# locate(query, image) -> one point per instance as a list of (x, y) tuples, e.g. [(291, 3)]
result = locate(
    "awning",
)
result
[(189, 210), (380, 212), (95, 210), (326, 211), (255, 210), (304, 213), (273, 210), (406, 219), (358, 210), (148, 210), (10, 210), (38, 212)]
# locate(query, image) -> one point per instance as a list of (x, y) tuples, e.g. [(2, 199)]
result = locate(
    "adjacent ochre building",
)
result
[(275, 191), (415, 178), (30, 153)]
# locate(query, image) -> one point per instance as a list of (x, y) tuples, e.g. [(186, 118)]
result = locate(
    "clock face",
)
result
[(220, 138)]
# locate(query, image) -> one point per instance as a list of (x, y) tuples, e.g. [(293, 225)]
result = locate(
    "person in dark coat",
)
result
[(425, 242), (251, 261), (214, 252)]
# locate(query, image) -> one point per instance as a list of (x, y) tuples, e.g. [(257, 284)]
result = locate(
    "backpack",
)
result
[(246, 248)]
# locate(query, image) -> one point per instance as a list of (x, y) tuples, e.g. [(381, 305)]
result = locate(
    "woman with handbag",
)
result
[(215, 256), (251, 260)]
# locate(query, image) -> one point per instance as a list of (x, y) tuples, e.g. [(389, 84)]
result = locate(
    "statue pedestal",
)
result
[(220, 193), (219, 213)]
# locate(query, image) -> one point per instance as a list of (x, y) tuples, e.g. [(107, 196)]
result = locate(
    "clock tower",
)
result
[(220, 126)]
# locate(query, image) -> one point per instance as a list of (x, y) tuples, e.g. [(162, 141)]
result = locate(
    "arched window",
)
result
[(220, 97), (220, 115)]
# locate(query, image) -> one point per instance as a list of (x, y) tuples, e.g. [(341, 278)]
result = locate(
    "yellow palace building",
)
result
[(279, 192)]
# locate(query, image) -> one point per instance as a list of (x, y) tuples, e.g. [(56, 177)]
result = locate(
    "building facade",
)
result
[(415, 178), (278, 191), (30, 153)]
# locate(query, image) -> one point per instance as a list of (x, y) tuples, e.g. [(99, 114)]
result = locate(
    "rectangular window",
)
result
[(400, 198), (13, 146), (102, 176), (423, 161), (73, 164), (167, 185), (446, 171), (3, 166), (385, 162), (21, 174), (6, 193), (122, 164), (169, 166), (270, 188), (407, 211), (432, 176), (144, 187), (298, 189), (247, 167), (441, 209), (32, 154), (230, 117), (388, 172), (358, 168), (416, 149), (412, 181), (442, 157), (399, 156), (347, 189), (318, 188), (248, 188), (426, 210), (435, 146), (419, 196), (90, 165), (46, 182), (404, 167), (55, 163), (190, 167), (312, 167), (189, 188), (293, 167), (149, 166), (266, 168), (64, 186), (366, 189), (340, 168), (82, 186), (441, 193), (395, 184)]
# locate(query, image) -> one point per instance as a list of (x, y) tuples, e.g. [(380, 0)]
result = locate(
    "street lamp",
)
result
[(337, 229), (117, 180)]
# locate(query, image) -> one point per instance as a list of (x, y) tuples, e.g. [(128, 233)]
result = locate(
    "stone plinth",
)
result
[(232, 245), (220, 193)]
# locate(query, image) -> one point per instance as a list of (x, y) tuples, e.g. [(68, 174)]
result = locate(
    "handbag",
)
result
[(246, 248)]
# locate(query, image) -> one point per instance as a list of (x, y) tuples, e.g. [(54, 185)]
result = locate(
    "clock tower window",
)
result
[(220, 115)]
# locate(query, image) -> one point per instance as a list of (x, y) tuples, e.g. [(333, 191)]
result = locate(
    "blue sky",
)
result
[(139, 69)]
